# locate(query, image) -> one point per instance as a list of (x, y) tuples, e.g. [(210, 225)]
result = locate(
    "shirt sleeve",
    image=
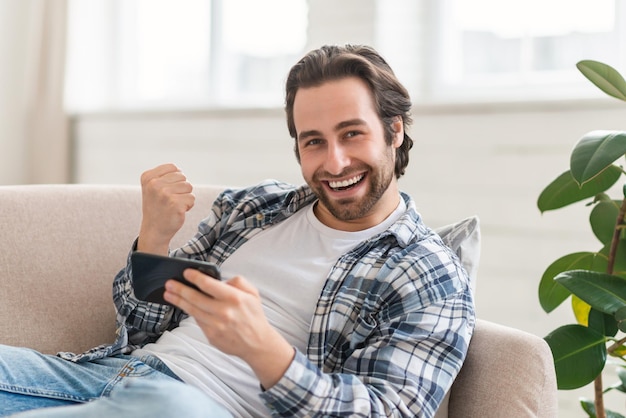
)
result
[(142, 322)]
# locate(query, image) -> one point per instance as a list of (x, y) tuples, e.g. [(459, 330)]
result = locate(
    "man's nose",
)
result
[(337, 159)]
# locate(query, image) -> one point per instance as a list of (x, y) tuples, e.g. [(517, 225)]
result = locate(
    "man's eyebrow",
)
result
[(307, 134), (341, 125), (348, 123)]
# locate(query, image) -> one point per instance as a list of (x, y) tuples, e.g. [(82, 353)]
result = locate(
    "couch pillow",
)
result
[(463, 238)]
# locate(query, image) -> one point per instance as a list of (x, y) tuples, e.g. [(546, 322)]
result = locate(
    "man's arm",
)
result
[(405, 372), (231, 316), (166, 198), (403, 367)]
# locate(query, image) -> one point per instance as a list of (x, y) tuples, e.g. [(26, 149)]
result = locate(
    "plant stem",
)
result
[(597, 383), (599, 399), (616, 345), (619, 224)]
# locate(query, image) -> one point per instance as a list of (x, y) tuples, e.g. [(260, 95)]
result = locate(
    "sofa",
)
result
[(61, 246)]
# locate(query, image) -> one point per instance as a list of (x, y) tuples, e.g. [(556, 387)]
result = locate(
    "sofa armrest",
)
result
[(508, 373)]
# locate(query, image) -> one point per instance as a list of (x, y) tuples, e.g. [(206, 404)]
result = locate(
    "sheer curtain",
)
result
[(34, 133)]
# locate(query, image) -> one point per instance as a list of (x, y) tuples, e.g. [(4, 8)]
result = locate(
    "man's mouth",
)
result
[(345, 184)]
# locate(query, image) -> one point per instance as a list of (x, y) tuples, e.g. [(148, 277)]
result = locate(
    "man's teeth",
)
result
[(345, 183)]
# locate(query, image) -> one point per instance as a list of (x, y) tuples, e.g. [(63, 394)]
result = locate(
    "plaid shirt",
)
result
[(390, 331)]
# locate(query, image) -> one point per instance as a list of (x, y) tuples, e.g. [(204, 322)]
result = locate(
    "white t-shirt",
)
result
[(289, 284)]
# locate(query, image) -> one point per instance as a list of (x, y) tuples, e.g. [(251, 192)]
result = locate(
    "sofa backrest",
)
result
[(60, 247)]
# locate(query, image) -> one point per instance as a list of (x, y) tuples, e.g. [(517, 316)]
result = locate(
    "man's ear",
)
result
[(398, 131)]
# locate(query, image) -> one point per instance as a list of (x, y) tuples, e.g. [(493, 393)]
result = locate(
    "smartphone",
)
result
[(151, 271)]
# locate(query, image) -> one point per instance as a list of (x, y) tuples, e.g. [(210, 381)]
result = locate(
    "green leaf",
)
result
[(620, 257), (621, 373), (551, 293), (603, 323), (621, 384), (620, 317), (594, 152), (604, 292), (579, 355), (589, 407), (603, 218), (601, 197), (564, 190), (605, 77)]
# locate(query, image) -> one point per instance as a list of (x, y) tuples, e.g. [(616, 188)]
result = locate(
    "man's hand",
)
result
[(166, 198), (231, 316)]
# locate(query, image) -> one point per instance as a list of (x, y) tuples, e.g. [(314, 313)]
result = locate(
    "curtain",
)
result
[(34, 130)]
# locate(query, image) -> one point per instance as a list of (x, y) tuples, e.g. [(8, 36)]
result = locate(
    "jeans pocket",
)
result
[(158, 365)]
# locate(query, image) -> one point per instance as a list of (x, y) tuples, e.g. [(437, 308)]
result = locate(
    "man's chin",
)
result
[(346, 209)]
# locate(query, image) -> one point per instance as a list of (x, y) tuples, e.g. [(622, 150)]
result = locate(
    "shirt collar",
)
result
[(406, 230)]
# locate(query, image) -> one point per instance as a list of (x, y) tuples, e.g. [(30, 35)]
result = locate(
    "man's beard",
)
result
[(351, 209)]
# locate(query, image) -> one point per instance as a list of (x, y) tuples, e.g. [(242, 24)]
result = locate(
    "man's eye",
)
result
[(313, 142), (352, 134)]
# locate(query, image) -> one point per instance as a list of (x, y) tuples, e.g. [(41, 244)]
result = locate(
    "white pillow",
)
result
[(463, 238)]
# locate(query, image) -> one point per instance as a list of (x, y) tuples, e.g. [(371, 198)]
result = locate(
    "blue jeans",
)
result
[(123, 386)]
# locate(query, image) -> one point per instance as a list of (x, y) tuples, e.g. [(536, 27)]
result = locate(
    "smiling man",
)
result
[(345, 157), (339, 302)]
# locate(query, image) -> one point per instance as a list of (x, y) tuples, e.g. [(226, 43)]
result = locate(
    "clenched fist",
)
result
[(166, 198)]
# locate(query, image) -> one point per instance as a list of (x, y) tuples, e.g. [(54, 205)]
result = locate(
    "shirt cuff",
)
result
[(300, 384)]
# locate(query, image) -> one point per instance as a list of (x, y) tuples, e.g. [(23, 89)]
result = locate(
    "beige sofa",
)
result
[(61, 245)]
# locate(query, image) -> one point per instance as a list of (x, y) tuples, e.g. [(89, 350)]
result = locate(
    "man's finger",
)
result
[(158, 171), (209, 285)]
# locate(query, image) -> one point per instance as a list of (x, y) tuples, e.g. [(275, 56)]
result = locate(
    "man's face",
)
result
[(343, 154)]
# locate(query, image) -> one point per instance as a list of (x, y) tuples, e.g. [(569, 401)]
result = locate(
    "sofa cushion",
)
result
[(463, 237)]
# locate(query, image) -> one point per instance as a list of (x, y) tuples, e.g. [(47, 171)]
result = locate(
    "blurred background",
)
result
[(97, 91)]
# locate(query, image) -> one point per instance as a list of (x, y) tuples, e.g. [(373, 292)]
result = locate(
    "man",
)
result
[(339, 301)]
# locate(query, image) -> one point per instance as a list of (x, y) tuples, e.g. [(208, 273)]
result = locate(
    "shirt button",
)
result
[(259, 217)]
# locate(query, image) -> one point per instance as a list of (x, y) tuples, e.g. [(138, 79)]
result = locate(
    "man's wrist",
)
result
[(273, 361), (150, 244)]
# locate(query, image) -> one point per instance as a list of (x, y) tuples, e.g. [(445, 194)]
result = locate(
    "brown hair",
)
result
[(330, 63)]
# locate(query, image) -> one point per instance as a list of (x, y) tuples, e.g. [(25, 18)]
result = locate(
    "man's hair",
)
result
[(330, 63)]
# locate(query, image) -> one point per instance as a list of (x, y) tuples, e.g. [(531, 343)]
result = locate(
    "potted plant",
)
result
[(596, 281)]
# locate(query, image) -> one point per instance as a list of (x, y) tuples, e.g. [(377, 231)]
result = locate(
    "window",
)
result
[(142, 54), (512, 50), (173, 54)]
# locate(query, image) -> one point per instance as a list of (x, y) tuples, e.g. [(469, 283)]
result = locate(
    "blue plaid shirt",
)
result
[(390, 331)]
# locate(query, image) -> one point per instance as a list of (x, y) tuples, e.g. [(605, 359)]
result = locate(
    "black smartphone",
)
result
[(151, 271)]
